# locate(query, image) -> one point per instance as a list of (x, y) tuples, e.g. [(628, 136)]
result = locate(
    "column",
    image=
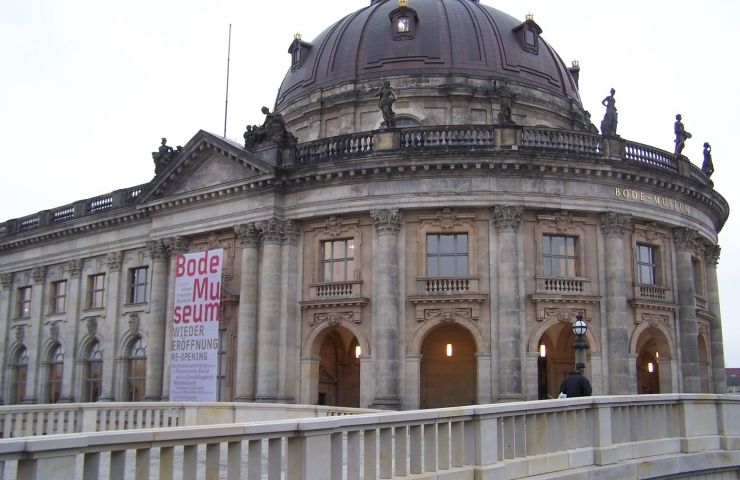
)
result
[(246, 350), (69, 334), (33, 336), (108, 328), (688, 331), (268, 323), (718, 353), (290, 313), (386, 309), (6, 283), (507, 220), (613, 226), (175, 246), (155, 328)]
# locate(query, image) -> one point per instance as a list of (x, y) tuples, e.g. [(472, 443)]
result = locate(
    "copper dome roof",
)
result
[(451, 37)]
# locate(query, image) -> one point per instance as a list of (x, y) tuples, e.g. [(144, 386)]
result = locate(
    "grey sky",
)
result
[(87, 88)]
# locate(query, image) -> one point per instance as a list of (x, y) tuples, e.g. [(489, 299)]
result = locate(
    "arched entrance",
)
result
[(556, 358), (448, 368), (339, 369), (653, 362)]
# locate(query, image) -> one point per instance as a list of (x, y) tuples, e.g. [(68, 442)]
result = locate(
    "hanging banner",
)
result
[(195, 322)]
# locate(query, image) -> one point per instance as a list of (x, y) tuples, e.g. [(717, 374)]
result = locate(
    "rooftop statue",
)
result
[(385, 103), (681, 135), (507, 97), (272, 131), (163, 155), (609, 123), (707, 167)]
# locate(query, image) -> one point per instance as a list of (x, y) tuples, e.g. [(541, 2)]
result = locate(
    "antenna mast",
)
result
[(228, 61)]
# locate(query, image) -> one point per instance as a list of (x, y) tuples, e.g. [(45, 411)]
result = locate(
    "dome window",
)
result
[(529, 35), (404, 21), (298, 50)]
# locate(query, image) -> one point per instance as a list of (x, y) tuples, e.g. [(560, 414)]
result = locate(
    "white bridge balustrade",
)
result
[(619, 437)]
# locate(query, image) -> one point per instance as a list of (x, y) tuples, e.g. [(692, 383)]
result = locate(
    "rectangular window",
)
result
[(646, 265), (338, 261), (559, 256), (96, 290), (58, 296), (447, 254), (138, 281), (24, 302)]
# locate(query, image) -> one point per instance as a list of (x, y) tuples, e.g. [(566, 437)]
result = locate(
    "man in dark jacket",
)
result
[(575, 384)]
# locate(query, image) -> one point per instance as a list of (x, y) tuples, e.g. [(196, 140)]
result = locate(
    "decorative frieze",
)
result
[(565, 315), (333, 318), (113, 261), (448, 315), (74, 267), (711, 255), (247, 234), (655, 320), (448, 220), (614, 224), (6, 280), (39, 274), (507, 217), (387, 222), (684, 238)]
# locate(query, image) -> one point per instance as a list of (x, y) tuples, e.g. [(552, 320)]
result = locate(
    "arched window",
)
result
[(93, 373), (136, 371), (55, 370), (20, 374)]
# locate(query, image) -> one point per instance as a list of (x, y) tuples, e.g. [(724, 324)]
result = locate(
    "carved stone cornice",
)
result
[(6, 280), (113, 261), (75, 268), (177, 244), (507, 217), (157, 249), (39, 274), (683, 238), (614, 224), (386, 221), (711, 255), (247, 234)]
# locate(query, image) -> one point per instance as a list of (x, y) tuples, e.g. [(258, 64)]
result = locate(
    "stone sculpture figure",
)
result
[(609, 123), (385, 103), (273, 130), (707, 167), (162, 156), (681, 135), (506, 96)]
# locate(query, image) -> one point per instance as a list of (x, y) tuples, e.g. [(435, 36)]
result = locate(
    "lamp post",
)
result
[(580, 327)]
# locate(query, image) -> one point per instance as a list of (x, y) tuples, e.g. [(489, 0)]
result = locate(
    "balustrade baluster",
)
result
[(254, 460), (143, 462), (234, 460), (274, 458), (189, 462), (386, 453), (416, 448), (213, 460), (370, 457), (443, 445), (401, 449), (118, 466), (354, 451), (430, 447), (166, 463)]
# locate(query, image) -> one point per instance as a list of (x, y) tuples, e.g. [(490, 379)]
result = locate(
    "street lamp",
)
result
[(580, 327)]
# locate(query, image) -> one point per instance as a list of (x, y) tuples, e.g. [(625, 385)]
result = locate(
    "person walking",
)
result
[(575, 384)]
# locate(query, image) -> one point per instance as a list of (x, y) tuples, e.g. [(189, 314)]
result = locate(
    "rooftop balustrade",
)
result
[(647, 436)]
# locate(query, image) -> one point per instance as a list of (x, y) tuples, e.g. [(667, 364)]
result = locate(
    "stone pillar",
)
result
[(6, 283), (70, 328), (613, 226), (718, 354), (268, 324), (508, 315), (155, 328), (108, 329), (386, 309), (290, 313), (246, 343), (175, 246), (688, 330), (33, 336)]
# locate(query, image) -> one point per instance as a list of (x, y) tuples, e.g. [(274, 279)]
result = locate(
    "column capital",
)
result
[(247, 234), (6, 279), (614, 224), (275, 230), (507, 217), (386, 221), (684, 238), (39, 274), (157, 249), (113, 261), (711, 255), (178, 244), (74, 267)]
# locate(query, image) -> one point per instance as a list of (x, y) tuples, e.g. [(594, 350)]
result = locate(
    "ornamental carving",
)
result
[(711, 254), (447, 219), (290, 234), (177, 244), (54, 331), (247, 234), (39, 274), (157, 249), (655, 320), (333, 227), (92, 326), (113, 261), (333, 318), (507, 217), (684, 238), (75, 268), (272, 230), (448, 315), (20, 333), (133, 323), (387, 222), (704, 329), (563, 222), (566, 315), (6, 279), (651, 231), (614, 224)]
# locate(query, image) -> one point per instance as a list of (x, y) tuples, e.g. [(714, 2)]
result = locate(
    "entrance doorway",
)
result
[(653, 362), (555, 358), (448, 368), (339, 369)]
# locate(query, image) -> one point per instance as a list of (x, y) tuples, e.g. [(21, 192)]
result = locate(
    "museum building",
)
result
[(417, 224)]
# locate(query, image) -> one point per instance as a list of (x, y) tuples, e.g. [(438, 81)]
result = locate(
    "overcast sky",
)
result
[(87, 88)]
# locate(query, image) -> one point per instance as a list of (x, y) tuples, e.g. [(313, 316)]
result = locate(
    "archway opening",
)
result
[(339, 369), (555, 358), (653, 362), (448, 368)]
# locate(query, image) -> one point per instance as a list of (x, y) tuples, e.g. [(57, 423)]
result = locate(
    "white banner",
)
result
[(197, 312)]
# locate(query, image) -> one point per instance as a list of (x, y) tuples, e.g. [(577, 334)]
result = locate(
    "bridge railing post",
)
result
[(486, 447), (605, 452)]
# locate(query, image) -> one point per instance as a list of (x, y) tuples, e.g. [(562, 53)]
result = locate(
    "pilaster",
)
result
[(155, 329), (246, 354), (6, 283), (688, 330), (719, 380), (33, 335), (108, 329), (70, 333)]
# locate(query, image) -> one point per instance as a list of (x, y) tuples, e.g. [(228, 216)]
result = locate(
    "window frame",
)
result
[(23, 305), (20, 365), (440, 255), (137, 289), (93, 382), (652, 263), (569, 259), (136, 360), (349, 274), (94, 291), (55, 374), (56, 297)]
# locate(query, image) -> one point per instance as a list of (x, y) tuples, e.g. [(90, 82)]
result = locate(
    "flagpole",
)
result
[(228, 61)]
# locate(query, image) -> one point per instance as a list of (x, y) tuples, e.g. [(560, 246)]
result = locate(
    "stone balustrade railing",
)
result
[(447, 285), (495, 139), (626, 437), (652, 292), (334, 289), (561, 285)]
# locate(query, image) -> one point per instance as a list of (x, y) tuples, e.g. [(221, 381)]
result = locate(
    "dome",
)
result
[(441, 37)]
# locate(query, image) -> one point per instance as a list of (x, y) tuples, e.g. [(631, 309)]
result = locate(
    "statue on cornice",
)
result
[(681, 135), (385, 103), (707, 167), (506, 100), (163, 156), (273, 131), (609, 123)]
